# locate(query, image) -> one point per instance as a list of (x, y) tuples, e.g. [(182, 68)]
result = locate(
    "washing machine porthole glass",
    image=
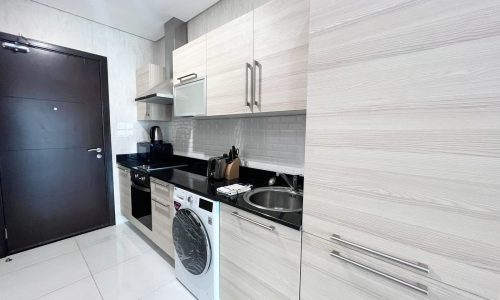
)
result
[(191, 242)]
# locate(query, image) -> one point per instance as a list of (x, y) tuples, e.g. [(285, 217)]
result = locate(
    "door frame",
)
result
[(108, 159)]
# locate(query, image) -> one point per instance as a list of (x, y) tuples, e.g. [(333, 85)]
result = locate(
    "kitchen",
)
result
[(265, 149)]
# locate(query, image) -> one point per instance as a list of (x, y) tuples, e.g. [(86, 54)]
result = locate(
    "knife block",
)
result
[(233, 169)]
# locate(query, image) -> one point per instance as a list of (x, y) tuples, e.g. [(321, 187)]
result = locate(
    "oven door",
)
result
[(141, 205)]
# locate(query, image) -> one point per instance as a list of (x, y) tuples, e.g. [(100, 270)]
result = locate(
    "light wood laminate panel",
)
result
[(191, 58), (125, 192), (403, 133), (162, 214), (148, 76), (256, 263), (281, 34), (329, 278), (153, 112), (229, 49), (161, 192), (162, 227)]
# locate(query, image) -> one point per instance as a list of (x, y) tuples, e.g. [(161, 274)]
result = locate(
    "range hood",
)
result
[(175, 37), (160, 93)]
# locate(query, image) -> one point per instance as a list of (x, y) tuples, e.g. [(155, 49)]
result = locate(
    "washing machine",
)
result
[(196, 239)]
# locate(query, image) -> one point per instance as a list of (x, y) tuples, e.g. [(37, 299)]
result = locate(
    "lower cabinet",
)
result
[(259, 259), (331, 271), (162, 214), (125, 194)]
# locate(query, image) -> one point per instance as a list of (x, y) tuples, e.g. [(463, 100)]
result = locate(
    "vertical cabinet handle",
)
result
[(257, 94), (247, 89), (415, 265), (415, 286)]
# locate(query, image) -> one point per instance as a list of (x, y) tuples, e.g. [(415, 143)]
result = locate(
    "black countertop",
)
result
[(192, 178)]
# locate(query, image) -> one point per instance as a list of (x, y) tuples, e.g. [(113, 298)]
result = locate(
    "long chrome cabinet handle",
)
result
[(236, 214), (419, 266), (415, 286), (247, 90), (257, 65)]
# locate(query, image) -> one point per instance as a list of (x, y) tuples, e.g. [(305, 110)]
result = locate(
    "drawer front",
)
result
[(161, 192), (125, 194), (256, 262), (450, 259), (331, 271), (162, 227)]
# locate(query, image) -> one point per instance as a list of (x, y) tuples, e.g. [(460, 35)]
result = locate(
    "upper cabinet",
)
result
[(255, 63), (229, 67), (281, 35), (147, 77), (190, 60)]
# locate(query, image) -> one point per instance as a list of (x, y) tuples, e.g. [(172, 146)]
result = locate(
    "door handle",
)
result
[(98, 150), (249, 102)]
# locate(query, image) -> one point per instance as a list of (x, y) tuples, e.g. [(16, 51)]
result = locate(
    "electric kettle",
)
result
[(155, 135)]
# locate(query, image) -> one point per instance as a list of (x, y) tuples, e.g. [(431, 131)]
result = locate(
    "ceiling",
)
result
[(144, 18)]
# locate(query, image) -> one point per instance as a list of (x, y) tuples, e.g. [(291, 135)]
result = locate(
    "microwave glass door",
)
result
[(190, 99)]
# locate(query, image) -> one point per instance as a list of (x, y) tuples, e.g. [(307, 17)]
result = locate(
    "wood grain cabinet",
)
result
[(256, 262), (190, 60), (281, 38), (258, 62), (331, 271), (125, 192), (147, 77), (162, 214), (229, 64), (403, 137)]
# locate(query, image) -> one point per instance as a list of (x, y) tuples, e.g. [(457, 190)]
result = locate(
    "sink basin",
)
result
[(280, 199)]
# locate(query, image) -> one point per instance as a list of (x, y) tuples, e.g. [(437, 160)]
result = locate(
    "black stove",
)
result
[(158, 166)]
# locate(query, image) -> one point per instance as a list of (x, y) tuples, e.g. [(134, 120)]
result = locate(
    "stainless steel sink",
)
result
[(282, 199)]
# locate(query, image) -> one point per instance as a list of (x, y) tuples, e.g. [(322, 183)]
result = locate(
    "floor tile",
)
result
[(44, 277), (84, 289), (135, 278), (172, 291), (109, 253), (121, 231), (33, 256)]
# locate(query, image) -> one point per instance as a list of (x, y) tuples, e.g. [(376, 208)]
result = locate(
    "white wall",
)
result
[(124, 52)]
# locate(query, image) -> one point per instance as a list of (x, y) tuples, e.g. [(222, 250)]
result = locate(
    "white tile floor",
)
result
[(111, 263)]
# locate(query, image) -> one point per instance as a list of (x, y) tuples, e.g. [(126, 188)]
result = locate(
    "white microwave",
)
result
[(190, 98)]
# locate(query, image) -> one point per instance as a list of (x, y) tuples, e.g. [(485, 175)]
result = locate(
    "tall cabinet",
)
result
[(402, 166)]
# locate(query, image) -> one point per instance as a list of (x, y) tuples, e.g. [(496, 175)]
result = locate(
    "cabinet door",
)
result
[(255, 262), (190, 59), (229, 52), (162, 226), (162, 213), (153, 112), (281, 30), (331, 272), (403, 127), (125, 194)]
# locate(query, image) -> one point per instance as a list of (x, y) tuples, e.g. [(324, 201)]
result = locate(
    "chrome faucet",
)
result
[(294, 185)]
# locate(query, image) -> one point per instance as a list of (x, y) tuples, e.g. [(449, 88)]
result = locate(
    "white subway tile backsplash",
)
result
[(272, 143)]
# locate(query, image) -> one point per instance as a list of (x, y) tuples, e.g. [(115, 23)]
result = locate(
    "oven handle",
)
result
[(141, 188)]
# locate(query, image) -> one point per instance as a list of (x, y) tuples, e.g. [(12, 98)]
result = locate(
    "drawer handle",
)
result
[(236, 214), (419, 266), (415, 286)]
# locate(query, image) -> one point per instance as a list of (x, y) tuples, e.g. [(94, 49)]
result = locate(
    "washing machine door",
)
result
[(191, 242)]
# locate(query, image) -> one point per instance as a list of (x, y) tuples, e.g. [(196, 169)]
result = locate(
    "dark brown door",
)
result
[(51, 113)]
